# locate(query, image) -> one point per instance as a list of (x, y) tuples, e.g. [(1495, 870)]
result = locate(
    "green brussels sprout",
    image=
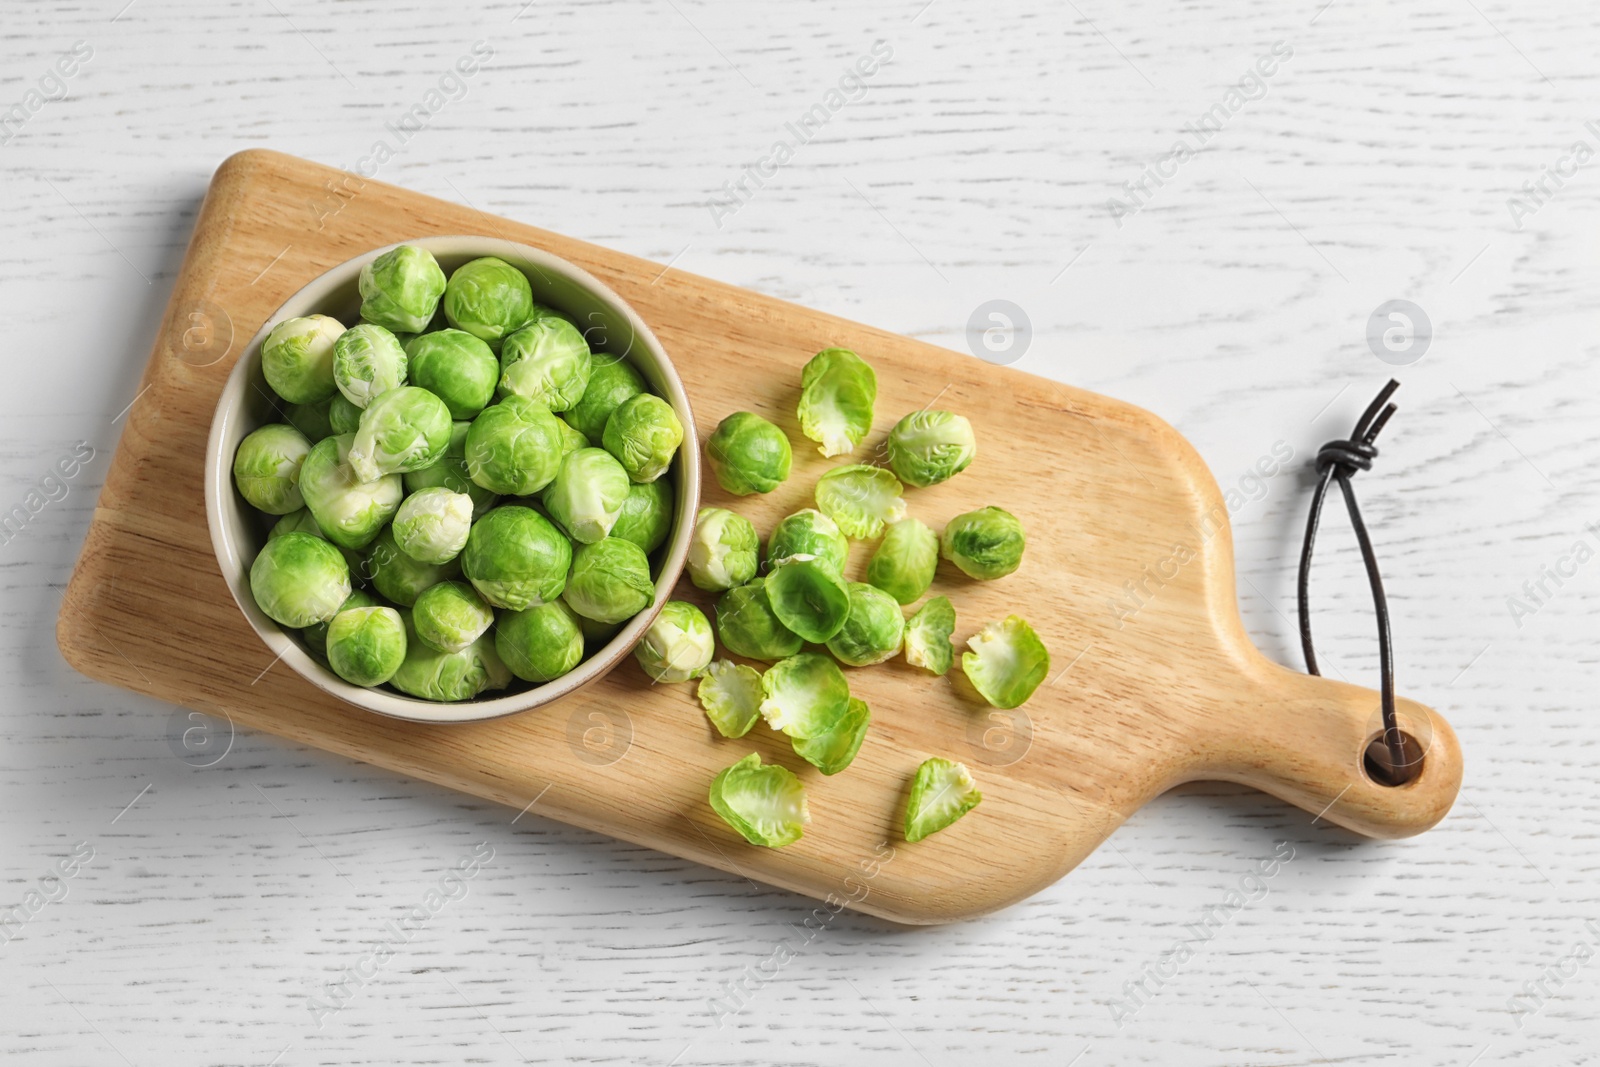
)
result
[(365, 646), (267, 467), (546, 361), (343, 416), (541, 643), (1007, 662), (873, 630), (298, 580), (986, 543), (646, 515), (400, 289), (405, 429), (749, 627), (809, 532), (804, 696), (748, 454), (368, 361), (429, 674), (316, 635), (725, 551), (488, 298), (587, 494), (450, 616), (311, 419), (679, 644), (861, 499), (303, 521), (610, 581), (941, 793), (906, 559), (597, 634), (612, 380), (399, 577), (456, 367), (835, 750), (837, 391), (297, 358), (514, 447), (644, 434), (730, 694), (432, 525), (572, 440), (928, 636), (928, 447), (450, 472), (349, 510), (515, 558), (808, 597), (766, 804)]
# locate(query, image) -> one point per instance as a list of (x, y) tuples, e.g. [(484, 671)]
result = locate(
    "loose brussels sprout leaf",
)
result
[(298, 580), (809, 533), (266, 468), (365, 646), (725, 550), (941, 793), (310, 419), (316, 635), (646, 515), (430, 674), (730, 693), (515, 558), (928, 447), (872, 631), (450, 472), (861, 499), (297, 358), (349, 510), (748, 454), (678, 645), (450, 616), (611, 381), (432, 525), (986, 543), (644, 434), (805, 695), (1007, 662), (405, 429), (808, 597), (546, 361), (456, 367), (368, 361), (399, 577), (835, 750), (587, 494), (928, 636), (514, 447), (610, 581), (400, 289), (749, 627), (488, 298), (540, 644), (905, 562), (343, 416), (766, 804), (837, 390)]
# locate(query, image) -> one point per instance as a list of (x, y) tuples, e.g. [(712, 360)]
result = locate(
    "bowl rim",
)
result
[(220, 494)]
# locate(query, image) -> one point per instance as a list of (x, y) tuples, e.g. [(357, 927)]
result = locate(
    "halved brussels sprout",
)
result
[(399, 577), (540, 644), (835, 750), (365, 646), (456, 367), (430, 674), (873, 630), (644, 434), (928, 636), (808, 597), (749, 627), (349, 510), (837, 391), (725, 550), (297, 358), (861, 499), (928, 447), (730, 693), (941, 793), (368, 361), (766, 804), (343, 416), (587, 495), (432, 525), (612, 380), (405, 429), (809, 532), (986, 543), (488, 298), (1007, 662), (546, 361), (514, 447), (267, 466), (678, 645), (905, 562), (646, 515), (449, 471), (748, 454), (400, 289), (805, 695), (316, 635), (516, 558), (610, 581), (311, 419), (298, 580), (450, 616)]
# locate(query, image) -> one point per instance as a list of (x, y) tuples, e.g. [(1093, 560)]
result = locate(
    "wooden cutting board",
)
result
[(1110, 496)]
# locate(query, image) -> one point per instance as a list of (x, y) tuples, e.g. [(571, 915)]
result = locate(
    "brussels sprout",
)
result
[(365, 646), (612, 380), (343, 416), (730, 693), (587, 494), (572, 440), (1007, 662), (368, 361), (941, 793), (597, 634), (928, 636), (400, 289), (456, 367), (450, 676), (303, 521), (310, 419), (986, 543), (861, 499), (546, 361), (749, 627), (405, 429), (928, 447), (450, 616), (678, 645), (432, 525), (610, 581), (748, 454), (450, 472), (766, 804), (837, 390), (906, 559), (725, 551), (298, 580), (316, 635), (515, 558), (399, 577), (809, 532), (267, 466), (835, 750), (808, 597), (297, 358), (514, 447), (541, 643), (349, 510), (646, 515), (805, 695), (488, 298), (644, 434), (873, 630)]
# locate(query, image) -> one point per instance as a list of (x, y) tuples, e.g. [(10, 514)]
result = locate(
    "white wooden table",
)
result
[(213, 904)]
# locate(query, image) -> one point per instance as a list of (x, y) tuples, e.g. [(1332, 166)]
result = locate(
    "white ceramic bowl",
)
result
[(238, 531)]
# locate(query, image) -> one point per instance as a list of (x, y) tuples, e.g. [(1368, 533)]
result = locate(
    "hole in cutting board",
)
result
[(1381, 768)]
